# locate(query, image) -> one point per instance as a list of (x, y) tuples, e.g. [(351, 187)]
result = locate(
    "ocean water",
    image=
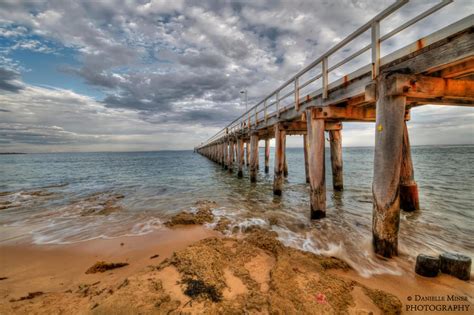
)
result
[(64, 198)]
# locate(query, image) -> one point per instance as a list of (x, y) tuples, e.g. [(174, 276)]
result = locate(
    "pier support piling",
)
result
[(305, 149), (230, 159), (267, 155), (234, 158), (336, 159), (225, 154), (223, 157), (253, 157), (408, 188), (280, 138), (390, 114), (316, 165), (240, 157), (247, 153)]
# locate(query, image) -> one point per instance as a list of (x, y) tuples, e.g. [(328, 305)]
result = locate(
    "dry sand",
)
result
[(196, 270)]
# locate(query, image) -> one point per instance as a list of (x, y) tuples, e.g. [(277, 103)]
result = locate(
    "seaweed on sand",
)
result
[(197, 288), (102, 266), (201, 216), (30, 296)]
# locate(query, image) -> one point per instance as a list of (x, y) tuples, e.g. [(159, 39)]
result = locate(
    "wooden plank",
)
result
[(347, 113), (459, 69), (424, 87), (332, 125)]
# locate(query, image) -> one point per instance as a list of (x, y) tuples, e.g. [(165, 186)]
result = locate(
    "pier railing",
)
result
[(271, 105)]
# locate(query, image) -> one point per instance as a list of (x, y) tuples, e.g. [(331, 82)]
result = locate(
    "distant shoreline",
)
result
[(187, 150), (10, 153)]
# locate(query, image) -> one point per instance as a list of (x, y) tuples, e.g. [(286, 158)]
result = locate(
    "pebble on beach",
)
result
[(456, 265), (427, 266)]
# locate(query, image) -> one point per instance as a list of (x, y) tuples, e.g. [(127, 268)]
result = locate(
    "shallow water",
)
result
[(58, 198)]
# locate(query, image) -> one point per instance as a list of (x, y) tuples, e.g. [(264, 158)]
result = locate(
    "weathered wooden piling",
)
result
[(234, 157), (225, 154), (336, 159), (316, 164), (247, 153), (280, 138), (240, 157), (253, 157), (390, 114), (305, 150), (223, 157), (230, 159), (267, 155), (408, 188)]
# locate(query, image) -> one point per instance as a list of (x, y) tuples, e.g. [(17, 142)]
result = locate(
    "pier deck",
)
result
[(437, 69)]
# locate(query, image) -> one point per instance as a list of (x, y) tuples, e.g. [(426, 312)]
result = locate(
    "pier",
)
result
[(437, 69)]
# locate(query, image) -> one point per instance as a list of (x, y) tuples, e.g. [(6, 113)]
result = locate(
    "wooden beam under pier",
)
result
[(424, 87)]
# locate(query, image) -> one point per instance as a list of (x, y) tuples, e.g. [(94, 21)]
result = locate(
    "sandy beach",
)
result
[(188, 268)]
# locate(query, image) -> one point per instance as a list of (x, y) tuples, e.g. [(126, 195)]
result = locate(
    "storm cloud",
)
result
[(174, 65)]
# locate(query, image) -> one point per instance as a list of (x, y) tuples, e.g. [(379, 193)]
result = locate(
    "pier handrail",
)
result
[(245, 120)]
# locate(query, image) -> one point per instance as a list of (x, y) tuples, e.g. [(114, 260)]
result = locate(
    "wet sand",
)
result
[(59, 268), (201, 271)]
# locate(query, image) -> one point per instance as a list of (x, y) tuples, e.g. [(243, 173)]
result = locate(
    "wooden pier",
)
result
[(437, 69)]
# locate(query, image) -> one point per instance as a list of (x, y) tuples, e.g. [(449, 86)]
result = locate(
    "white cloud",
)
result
[(183, 63)]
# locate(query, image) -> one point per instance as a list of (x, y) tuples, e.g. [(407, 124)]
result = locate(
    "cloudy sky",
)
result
[(153, 75)]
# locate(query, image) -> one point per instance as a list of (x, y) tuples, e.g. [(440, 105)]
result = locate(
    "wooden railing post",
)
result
[(375, 49), (297, 93), (265, 109), (277, 103), (325, 77)]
